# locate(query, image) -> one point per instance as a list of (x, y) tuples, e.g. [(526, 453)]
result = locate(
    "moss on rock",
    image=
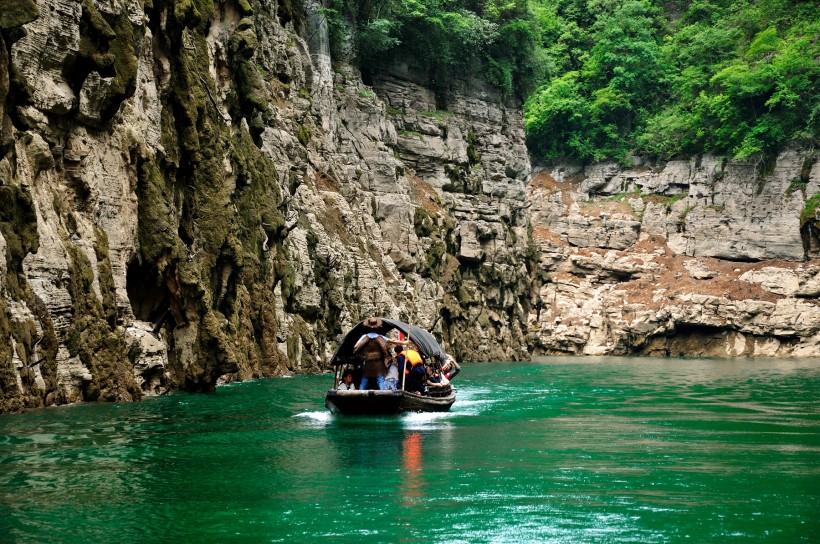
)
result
[(304, 134), (17, 12), (100, 347), (9, 394), (108, 48), (214, 354), (48, 343), (809, 212), (105, 277), (156, 229), (259, 220), (193, 13), (18, 223), (245, 6), (209, 209), (251, 90), (437, 228), (473, 156)]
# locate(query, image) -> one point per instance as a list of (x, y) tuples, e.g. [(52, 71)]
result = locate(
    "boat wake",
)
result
[(471, 407), (317, 419), (416, 421)]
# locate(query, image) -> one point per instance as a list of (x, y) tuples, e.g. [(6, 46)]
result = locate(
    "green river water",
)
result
[(561, 450)]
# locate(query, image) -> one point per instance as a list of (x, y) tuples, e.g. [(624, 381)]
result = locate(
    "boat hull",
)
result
[(373, 402), (413, 402)]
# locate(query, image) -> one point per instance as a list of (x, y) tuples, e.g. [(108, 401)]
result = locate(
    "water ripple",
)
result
[(562, 450)]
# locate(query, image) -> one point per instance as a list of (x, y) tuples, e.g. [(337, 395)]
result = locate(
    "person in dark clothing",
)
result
[(401, 367), (414, 379), (433, 379), (372, 348)]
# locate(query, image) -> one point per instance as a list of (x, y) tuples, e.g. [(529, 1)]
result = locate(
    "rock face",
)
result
[(193, 192), (701, 257)]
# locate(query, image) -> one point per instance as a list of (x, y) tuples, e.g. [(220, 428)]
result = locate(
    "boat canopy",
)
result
[(428, 346)]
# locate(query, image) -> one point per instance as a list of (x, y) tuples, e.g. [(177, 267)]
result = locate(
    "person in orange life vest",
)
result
[(414, 379), (412, 355)]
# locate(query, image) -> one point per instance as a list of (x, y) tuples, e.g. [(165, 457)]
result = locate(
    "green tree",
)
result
[(446, 37), (670, 78)]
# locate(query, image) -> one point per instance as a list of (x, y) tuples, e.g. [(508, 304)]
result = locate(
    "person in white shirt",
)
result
[(391, 379), (347, 382)]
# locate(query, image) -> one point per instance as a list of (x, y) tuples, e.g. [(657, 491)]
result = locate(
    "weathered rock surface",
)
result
[(204, 196), (195, 192), (711, 259)]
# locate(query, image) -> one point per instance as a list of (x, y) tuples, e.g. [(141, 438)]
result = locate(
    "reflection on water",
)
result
[(560, 450), (412, 465)]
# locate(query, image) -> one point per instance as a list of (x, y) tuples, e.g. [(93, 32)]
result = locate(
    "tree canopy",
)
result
[(671, 78), (496, 38), (606, 78)]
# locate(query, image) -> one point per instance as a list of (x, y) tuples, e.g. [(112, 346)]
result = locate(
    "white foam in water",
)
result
[(316, 418), (470, 407), (471, 392), (472, 401), (474, 395)]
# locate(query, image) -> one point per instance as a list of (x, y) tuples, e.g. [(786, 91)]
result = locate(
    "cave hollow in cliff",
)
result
[(148, 294)]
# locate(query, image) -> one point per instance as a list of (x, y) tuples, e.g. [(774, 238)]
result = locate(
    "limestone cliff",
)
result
[(194, 191), (698, 257)]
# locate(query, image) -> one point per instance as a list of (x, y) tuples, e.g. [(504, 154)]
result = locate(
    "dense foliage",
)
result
[(675, 77), (606, 78), (449, 38)]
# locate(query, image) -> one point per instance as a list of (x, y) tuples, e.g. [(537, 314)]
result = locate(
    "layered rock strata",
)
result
[(698, 257)]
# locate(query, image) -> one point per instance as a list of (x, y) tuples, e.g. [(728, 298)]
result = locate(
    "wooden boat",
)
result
[(376, 402)]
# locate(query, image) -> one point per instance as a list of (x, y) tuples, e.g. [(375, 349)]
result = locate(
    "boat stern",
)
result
[(363, 402)]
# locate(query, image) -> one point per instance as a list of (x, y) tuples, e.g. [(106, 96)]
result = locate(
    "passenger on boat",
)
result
[(400, 358), (450, 368), (391, 379), (372, 347), (374, 367), (412, 355), (370, 336), (434, 379), (375, 322), (443, 380), (401, 361), (347, 382), (414, 377)]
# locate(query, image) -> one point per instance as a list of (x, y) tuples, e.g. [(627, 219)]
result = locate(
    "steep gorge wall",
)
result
[(691, 257), (192, 192)]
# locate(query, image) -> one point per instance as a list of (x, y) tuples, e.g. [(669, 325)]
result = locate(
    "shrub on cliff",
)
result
[(447, 38)]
